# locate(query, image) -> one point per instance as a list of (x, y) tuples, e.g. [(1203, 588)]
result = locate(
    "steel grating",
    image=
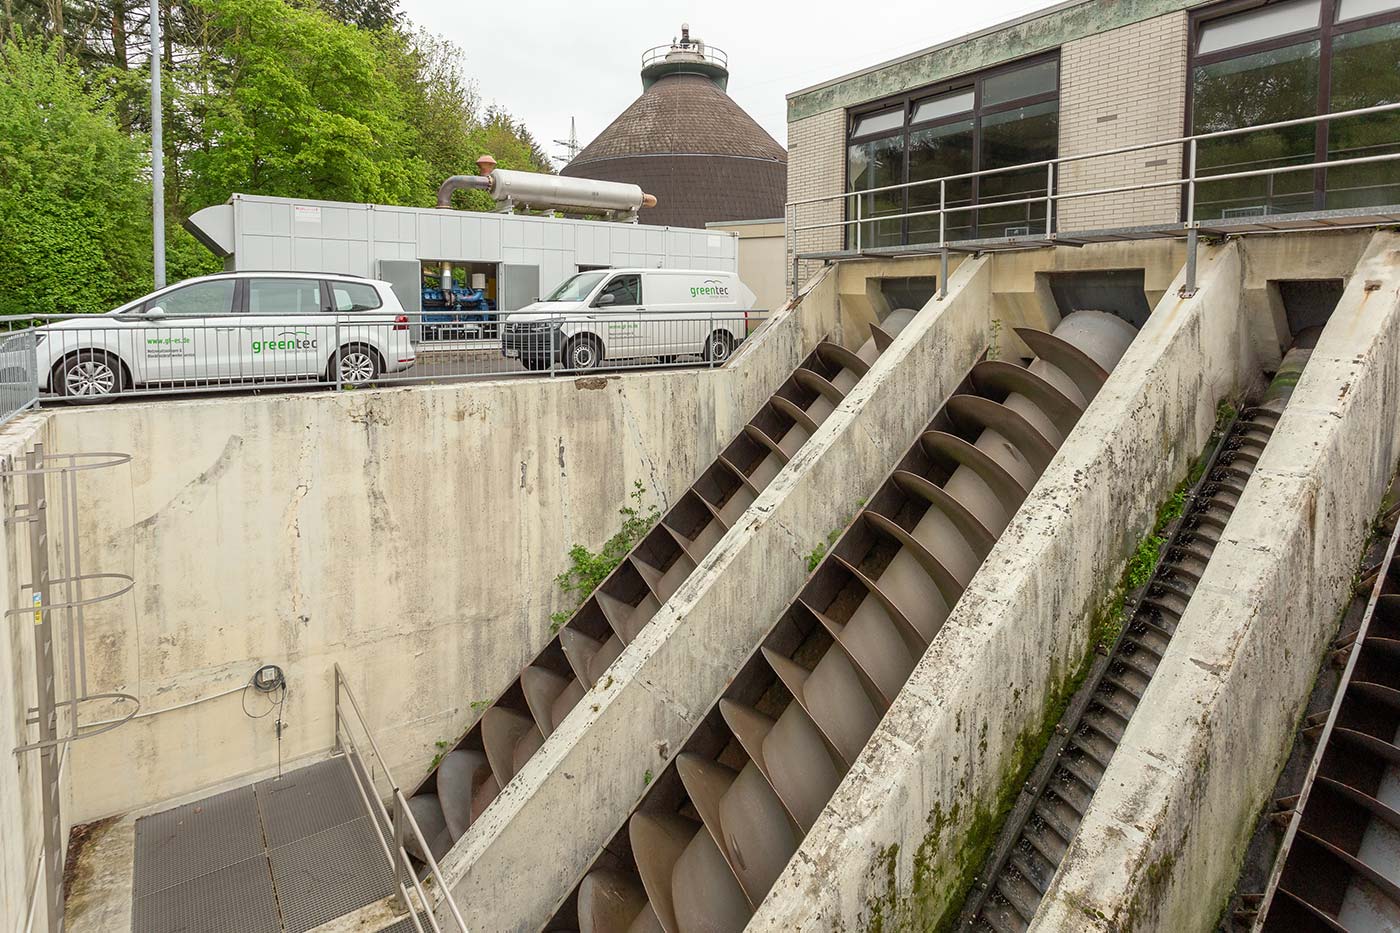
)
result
[(195, 839), (279, 856), (308, 801), (328, 874), (234, 899)]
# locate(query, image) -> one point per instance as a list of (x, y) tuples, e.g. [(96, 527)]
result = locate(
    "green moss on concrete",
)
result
[(937, 887)]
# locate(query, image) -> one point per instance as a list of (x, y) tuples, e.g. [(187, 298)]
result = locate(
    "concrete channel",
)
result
[(916, 814), (1161, 844), (628, 726)]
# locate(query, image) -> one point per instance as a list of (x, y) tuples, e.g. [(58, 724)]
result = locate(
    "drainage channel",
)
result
[(470, 776), (716, 828), (1042, 825), (1338, 865)]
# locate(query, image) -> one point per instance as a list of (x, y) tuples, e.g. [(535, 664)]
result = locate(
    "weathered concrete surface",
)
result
[(916, 814), (574, 793), (1040, 31), (412, 534), (21, 814), (1161, 845)]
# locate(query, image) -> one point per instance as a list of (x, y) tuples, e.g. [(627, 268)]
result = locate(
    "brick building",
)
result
[(1088, 76)]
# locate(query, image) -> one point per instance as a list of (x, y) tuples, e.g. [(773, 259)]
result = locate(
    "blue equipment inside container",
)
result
[(459, 314)]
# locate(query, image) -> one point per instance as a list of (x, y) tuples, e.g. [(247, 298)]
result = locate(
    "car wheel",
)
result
[(358, 364), (88, 374), (583, 353), (719, 346)]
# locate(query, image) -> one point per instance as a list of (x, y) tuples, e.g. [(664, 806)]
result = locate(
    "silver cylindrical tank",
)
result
[(551, 191)]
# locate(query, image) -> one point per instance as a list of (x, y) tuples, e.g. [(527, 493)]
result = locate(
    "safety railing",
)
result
[(392, 829), (99, 357), (1041, 202)]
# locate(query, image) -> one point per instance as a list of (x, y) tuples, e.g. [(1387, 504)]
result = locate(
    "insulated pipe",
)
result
[(706, 865), (457, 183)]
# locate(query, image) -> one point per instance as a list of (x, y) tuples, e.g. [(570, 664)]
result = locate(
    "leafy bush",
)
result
[(588, 569)]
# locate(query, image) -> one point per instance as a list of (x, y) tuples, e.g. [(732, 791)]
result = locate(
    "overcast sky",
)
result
[(549, 60)]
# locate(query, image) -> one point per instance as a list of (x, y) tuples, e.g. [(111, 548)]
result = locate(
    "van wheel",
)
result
[(358, 364), (88, 374), (719, 346), (584, 352)]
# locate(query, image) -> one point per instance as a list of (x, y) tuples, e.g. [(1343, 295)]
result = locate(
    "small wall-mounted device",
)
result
[(268, 678)]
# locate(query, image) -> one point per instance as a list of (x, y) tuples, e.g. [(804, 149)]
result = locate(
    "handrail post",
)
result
[(943, 238), (399, 824), (858, 225), (1188, 289), (1049, 200), (335, 354)]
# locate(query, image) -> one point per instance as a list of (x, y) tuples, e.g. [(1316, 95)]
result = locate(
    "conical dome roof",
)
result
[(685, 141)]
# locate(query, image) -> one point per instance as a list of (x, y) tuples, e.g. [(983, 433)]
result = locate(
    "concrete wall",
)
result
[(574, 794), (21, 831), (411, 534), (763, 265), (917, 813), (1161, 845)]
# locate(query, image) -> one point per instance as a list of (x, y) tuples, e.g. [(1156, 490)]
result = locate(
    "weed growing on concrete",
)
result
[(588, 569), (646, 778), (442, 746), (815, 555), (994, 345)]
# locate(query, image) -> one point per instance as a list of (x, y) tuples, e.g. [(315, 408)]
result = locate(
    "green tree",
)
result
[(74, 196), (287, 101)]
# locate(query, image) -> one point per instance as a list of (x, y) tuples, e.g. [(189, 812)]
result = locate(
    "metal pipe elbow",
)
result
[(458, 182)]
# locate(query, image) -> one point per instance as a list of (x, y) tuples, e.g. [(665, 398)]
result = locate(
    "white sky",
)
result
[(548, 60)]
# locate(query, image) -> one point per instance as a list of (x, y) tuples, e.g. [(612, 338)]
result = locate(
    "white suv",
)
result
[(230, 329)]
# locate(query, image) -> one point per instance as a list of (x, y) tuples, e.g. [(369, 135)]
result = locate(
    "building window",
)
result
[(1004, 117), (1287, 60)]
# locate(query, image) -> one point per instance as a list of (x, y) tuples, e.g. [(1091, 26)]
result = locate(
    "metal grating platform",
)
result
[(280, 856)]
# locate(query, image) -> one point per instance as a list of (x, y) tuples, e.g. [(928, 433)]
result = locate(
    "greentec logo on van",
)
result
[(287, 340), (712, 288)]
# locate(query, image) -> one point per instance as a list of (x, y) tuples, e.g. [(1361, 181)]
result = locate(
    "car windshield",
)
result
[(576, 287)]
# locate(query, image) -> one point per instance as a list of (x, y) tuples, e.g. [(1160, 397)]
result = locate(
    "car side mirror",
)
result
[(157, 312), (604, 300)]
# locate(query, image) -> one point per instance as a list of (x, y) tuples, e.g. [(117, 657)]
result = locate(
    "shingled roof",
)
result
[(685, 141)]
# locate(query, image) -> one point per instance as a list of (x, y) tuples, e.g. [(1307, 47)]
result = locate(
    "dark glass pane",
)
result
[(944, 105), (1262, 88), (936, 153), (1365, 74), (876, 164), (1023, 82), (881, 122), (1014, 137), (1355, 9), (1270, 22)]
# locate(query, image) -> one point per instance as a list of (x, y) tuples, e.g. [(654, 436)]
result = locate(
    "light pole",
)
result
[(157, 155)]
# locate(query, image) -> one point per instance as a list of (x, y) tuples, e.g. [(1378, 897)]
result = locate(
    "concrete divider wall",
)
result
[(573, 795), (21, 810), (1161, 845), (412, 534), (916, 815)]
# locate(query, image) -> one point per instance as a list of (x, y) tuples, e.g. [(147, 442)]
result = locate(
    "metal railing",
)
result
[(706, 53), (391, 829), (1054, 192), (99, 357)]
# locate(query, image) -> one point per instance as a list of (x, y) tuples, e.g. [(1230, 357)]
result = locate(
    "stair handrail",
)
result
[(401, 820)]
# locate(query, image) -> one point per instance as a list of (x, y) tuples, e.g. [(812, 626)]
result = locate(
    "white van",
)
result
[(608, 315)]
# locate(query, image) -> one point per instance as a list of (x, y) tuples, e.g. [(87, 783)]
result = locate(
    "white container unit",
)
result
[(530, 255)]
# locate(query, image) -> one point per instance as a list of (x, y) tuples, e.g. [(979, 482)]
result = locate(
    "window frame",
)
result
[(328, 299), (910, 99), (603, 290), (1324, 33), (235, 299), (245, 288)]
